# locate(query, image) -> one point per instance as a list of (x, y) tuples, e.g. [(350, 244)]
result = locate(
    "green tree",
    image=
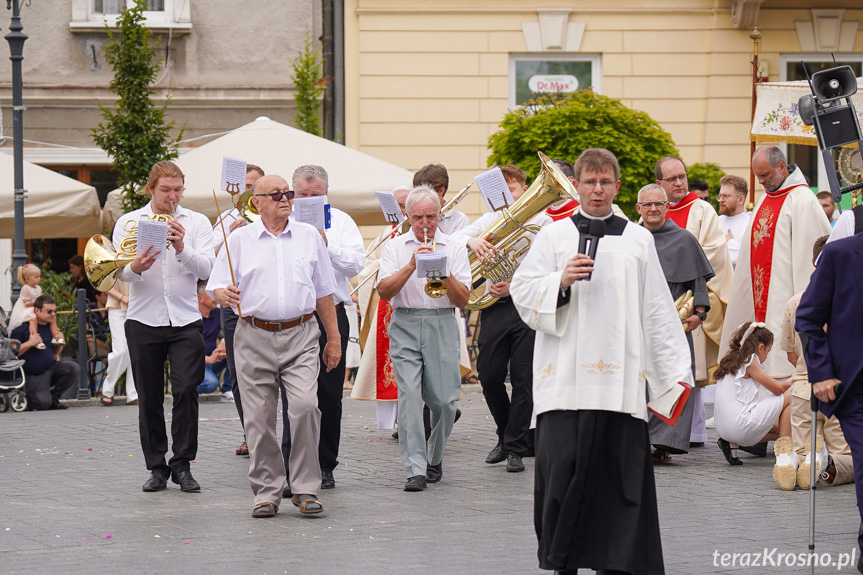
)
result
[(309, 82), (564, 125), (710, 173), (134, 133)]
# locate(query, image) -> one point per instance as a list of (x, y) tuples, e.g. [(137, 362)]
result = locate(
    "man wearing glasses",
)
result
[(46, 379), (347, 255), (699, 219), (686, 269), (602, 346), (283, 276)]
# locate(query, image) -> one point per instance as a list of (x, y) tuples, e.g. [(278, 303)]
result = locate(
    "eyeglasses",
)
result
[(49, 311), (591, 184), (650, 205), (277, 196), (673, 179)]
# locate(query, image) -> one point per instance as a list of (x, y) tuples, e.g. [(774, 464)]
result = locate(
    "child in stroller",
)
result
[(12, 376)]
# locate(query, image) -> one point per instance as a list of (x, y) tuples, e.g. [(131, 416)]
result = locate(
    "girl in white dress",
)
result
[(29, 276), (742, 417)]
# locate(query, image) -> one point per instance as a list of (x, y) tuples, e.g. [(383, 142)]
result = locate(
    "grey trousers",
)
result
[(424, 346), (265, 360)]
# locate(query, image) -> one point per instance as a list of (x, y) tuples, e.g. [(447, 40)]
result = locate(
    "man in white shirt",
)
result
[(435, 176), (347, 254), (732, 216), (163, 321), (233, 219), (424, 340), (505, 342), (283, 276)]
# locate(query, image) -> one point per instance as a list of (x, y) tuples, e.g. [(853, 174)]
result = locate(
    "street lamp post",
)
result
[(16, 38)]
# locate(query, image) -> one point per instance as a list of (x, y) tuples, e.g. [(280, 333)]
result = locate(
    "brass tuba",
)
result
[(510, 232), (102, 263)]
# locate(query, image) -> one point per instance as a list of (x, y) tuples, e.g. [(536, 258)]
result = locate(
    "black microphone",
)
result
[(589, 232)]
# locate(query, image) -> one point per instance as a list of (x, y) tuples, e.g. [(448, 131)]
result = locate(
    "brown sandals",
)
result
[(308, 505)]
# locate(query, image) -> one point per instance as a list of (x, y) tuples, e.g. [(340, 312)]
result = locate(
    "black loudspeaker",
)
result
[(833, 84), (839, 126)]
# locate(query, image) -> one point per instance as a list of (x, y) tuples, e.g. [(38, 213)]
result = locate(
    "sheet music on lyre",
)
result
[(492, 185)]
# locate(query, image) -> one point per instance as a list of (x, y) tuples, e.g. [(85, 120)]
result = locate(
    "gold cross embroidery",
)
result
[(601, 367)]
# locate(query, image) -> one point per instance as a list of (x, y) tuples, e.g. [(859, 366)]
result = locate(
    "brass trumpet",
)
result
[(102, 263), (435, 286)]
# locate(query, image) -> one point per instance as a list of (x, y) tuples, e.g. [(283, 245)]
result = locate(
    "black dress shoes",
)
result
[(514, 463), (157, 482), (185, 480), (497, 454), (434, 473), (758, 450), (416, 483), (327, 480)]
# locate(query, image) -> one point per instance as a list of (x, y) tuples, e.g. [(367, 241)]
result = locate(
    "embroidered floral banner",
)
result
[(777, 118)]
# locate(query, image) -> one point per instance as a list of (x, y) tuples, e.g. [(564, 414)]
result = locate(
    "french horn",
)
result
[(102, 262)]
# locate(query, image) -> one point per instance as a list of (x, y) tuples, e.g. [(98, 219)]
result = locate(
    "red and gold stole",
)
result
[(564, 210), (761, 247), (679, 214), (387, 389)]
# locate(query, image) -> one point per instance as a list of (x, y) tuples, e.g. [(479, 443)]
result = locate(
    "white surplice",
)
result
[(800, 222), (618, 335)]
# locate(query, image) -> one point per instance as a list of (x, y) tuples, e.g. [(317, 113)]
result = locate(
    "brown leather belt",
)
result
[(339, 306), (278, 325)]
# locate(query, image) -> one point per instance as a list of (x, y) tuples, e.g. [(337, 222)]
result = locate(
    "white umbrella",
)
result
[(55, 206), (280, 149)]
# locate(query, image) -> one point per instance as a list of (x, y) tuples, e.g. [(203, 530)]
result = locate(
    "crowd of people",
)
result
[(591, 343)]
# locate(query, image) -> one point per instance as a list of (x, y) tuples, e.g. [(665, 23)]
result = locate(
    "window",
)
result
[(534, 74), (92, 15), (808, 158)]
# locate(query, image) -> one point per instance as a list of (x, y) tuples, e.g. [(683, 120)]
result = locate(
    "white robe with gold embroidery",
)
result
[(801, 221), (619, 333)]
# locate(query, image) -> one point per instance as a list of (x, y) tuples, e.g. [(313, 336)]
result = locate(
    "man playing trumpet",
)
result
[(424, 339), (163, 322)]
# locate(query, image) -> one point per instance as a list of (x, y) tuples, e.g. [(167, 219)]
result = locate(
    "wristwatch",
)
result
[(702, 315)]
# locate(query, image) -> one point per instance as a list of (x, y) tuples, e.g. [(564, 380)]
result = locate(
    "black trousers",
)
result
[(229, 326), (183, 347), (505, 340), (330, 391), (45, 389)]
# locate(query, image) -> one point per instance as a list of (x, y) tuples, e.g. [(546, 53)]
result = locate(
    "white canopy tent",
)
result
[(280, 149), (55, 206)]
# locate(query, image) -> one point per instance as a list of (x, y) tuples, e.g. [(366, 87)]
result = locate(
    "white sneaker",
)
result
[(785, 469), (227, 397), (820, 462)]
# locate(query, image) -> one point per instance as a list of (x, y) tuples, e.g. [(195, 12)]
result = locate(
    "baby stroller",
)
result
[(12, 376)]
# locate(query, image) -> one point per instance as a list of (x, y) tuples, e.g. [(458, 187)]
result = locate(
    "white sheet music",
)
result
[(389, 205), (310, 211), (152, 234), (431, 265), (233, 175), (495, 192)]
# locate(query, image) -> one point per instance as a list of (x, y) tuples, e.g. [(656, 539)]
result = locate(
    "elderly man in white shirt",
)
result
[(163, 321), (424, 340), (283, 276), (344, 244)]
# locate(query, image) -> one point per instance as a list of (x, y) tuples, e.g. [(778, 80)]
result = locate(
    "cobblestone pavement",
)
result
[(72, 503)]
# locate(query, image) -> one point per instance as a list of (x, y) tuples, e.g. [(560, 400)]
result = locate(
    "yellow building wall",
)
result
[(429, 81)]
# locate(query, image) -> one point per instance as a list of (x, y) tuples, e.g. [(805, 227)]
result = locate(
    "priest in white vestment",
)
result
[(603, 346), (775, 260)]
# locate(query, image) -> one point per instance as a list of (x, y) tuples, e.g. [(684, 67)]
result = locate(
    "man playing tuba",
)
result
[(505, 343)]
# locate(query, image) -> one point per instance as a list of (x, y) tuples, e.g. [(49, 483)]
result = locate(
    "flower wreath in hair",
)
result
[(750, 329)]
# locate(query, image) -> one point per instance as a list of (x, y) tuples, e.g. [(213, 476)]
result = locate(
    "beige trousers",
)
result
[(801, 427), (264, 361)]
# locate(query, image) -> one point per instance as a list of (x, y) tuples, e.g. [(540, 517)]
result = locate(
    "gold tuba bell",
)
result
[(247, 209), (102, 263), (510, 232)]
